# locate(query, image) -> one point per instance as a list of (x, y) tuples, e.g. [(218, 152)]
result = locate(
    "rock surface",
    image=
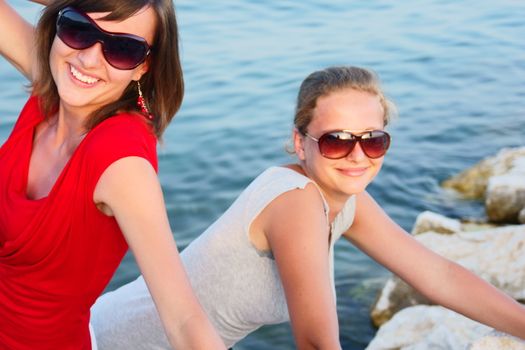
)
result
[(434, 327), (500, 180), (472, 182), (395, 296), (430, 221), (496, 255), (505, 196), (496, 340)]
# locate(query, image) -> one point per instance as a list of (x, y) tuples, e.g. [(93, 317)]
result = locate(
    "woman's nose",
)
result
[(356, 153), (92, 56)]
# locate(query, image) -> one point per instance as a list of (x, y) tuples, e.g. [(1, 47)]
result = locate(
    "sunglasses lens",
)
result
[(375, 144), (122, 51), (75, 30), (336, 145)]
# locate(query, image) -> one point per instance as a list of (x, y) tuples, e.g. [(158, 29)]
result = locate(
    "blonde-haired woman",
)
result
[(269, 257)]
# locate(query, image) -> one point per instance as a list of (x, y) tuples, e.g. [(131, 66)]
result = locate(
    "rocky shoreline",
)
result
[(493, 249)]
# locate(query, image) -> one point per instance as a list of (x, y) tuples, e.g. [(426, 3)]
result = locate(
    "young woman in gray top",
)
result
[(269, 258)]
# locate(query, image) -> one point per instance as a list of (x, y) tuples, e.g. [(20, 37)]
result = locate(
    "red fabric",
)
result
[(58, 253)]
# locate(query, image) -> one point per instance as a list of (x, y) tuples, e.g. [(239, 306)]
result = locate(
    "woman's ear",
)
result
[(141, 70), (298, 144)]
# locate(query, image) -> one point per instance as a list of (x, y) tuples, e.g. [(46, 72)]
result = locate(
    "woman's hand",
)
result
[(129, 189)]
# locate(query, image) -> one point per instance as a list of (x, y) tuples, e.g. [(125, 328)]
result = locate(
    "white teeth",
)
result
[(83, 78)]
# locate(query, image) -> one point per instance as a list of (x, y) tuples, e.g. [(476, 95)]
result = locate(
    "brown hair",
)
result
[(323, 82), (162, 85)]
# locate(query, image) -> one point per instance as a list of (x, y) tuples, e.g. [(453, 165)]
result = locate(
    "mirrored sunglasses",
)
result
[(339, 144)]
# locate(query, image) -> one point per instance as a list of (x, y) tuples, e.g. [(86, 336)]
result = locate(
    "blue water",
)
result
[(456, 70)]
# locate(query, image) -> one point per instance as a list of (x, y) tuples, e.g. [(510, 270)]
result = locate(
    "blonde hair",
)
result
[(326, 81)]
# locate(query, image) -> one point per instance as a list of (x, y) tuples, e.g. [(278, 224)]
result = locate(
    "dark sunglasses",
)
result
[(339, 144), (78, 31)]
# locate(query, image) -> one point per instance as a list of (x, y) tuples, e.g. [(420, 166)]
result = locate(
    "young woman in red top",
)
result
[(78, 175)]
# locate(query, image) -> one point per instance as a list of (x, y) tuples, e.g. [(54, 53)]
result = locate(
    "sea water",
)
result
[(455, 69)]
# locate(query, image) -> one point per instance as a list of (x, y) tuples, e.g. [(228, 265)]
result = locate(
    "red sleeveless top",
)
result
[(58, 253)]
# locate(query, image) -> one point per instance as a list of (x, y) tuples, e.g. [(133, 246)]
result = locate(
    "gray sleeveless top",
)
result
[(237, 285)]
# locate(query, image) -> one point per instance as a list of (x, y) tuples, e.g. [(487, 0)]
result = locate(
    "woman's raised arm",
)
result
[(17, 40), (129, 189), (443, 281)]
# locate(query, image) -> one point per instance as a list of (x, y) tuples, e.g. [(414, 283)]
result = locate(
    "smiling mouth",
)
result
[(353, 172), (81, 77)]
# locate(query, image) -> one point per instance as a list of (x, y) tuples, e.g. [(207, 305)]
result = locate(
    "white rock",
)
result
[(497, 340), (383, 302), (472, 182), (496, 255), (505, 192), (427, 327), (505, 196), (430, 221), (394, 296), (500, 180), (521, 216), (508, 158)]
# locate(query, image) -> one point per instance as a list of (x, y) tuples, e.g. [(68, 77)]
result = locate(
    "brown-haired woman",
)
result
[(269, 257), (78, 175)]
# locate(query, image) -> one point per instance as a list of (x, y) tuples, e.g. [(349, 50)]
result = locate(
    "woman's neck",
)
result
[(65, 129)]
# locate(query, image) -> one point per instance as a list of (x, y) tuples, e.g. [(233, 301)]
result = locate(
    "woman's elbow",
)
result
[(313, 341)]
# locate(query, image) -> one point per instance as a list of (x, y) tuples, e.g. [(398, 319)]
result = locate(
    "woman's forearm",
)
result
[(196, 332), (466, 293), (439, 279)]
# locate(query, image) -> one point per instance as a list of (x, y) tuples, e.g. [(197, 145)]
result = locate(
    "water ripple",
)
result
[(455, 70)]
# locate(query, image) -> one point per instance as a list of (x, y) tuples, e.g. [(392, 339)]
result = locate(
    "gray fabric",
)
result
[(238, 286)]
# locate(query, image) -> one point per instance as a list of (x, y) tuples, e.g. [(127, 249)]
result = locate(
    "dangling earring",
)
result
[(141, 102)]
